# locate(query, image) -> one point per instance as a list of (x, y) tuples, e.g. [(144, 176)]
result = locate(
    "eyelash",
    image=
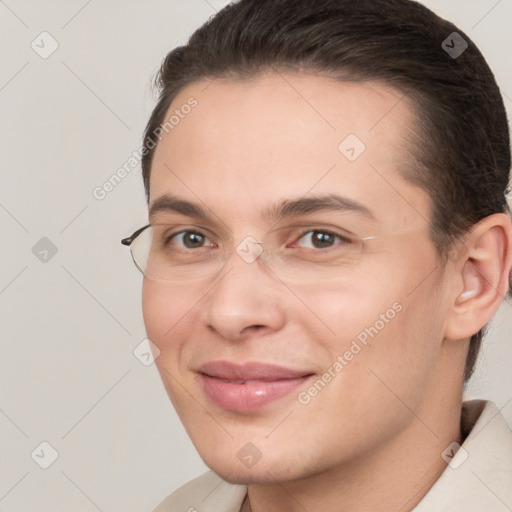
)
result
[(343, 239)]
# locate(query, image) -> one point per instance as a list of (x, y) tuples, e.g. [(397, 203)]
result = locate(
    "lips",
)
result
[(249, 386)]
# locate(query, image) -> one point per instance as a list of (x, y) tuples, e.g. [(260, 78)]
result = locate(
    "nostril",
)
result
[(259, 329)]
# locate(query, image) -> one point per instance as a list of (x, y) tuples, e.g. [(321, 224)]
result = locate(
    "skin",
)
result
[(372, 438)]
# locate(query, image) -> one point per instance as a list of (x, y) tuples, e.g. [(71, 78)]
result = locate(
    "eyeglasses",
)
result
[(179, 253)]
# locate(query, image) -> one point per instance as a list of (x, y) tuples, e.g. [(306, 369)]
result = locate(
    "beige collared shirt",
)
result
[(478, 478)]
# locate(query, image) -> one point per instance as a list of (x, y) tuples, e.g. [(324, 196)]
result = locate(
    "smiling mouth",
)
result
[(250, 386)]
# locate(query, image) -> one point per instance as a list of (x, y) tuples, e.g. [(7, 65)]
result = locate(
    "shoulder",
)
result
[(206, 493)]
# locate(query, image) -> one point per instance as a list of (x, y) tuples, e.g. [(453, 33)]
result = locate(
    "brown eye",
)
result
[(321, 240), (190, 240), (317, 239)]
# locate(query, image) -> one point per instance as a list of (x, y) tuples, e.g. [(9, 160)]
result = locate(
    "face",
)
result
[(278, 378)]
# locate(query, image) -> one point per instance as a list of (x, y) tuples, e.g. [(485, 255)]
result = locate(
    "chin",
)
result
[(267, 470), (250, 476)]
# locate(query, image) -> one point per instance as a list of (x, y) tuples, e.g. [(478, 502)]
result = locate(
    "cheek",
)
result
[(350, 311), (381, 330), (166, 311), (170, 319), (164, 315), (155, 312)]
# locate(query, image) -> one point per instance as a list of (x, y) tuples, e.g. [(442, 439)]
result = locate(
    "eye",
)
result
[(189, 240), (320, 239)]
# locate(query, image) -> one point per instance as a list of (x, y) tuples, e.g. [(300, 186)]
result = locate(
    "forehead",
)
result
[(246, 144)]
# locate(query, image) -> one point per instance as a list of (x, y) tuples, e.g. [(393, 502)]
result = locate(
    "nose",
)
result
[(244, 299)]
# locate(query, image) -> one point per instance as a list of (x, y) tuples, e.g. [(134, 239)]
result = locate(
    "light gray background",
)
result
[(69, 326)]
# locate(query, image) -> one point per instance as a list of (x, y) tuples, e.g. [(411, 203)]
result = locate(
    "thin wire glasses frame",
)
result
[(156, 260)]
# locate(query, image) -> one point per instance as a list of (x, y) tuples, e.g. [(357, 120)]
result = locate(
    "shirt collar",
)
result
[(479, 475)]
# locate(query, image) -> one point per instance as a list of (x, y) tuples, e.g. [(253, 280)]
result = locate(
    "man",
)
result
[(328, 237)]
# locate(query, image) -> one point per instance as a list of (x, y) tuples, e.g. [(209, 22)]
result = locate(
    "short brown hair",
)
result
[(463, 161)]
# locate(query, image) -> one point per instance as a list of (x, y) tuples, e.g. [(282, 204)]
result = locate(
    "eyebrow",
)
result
[(284, 209)]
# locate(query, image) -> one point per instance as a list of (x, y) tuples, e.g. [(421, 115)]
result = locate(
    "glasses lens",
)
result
[(179, 254), (320, 257), (175, 254)]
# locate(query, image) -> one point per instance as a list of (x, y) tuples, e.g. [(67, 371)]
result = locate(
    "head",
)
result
[(279, 100)]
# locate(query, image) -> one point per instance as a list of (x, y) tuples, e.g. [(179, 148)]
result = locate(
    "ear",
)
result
[(481, 276)]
